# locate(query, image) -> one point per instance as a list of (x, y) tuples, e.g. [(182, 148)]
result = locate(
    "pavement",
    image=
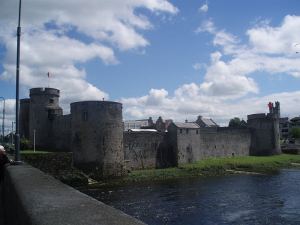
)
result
[(1, 208)]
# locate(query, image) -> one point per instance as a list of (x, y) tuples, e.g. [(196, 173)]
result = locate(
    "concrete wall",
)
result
[(143, 149), (31, 197), (97, 136)]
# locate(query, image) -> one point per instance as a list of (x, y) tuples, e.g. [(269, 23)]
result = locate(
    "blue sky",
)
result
[(177, 59)]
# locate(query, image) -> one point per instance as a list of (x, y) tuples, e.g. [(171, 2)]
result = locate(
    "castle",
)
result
[(94, 132)]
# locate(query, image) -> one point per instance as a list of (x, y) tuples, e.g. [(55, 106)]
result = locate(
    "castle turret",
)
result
[(265, 133), (97, 136), (44, 107)]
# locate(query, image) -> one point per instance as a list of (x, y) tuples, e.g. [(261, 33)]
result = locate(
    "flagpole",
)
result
[(48, 74)]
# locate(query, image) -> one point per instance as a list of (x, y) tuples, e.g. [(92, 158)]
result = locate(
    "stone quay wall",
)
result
[(28, 196)]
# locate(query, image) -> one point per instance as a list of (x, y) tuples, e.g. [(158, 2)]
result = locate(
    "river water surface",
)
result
[(236, 199)]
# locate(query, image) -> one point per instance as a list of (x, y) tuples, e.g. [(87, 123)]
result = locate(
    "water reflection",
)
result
[(240, 199)]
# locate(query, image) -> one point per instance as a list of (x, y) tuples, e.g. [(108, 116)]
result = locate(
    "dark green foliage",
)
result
[(237, 123), (295, 132), (24, 144)]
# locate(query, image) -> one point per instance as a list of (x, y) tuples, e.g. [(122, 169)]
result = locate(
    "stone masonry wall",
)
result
[(224, 142), (265, 134), (97, 136), (188, 144), (142, 149), (62, 133)]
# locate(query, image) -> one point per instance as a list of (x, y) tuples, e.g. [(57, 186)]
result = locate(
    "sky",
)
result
[(177, 59)]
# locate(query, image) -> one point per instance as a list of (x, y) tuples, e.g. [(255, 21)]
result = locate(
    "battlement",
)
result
[(256, 116), (102, 104), (44, 91)]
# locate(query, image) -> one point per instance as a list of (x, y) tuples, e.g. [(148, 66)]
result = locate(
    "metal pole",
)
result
[(3, 119), (17, 141), (12, 132)]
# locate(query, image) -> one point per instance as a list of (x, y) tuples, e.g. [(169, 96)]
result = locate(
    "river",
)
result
[(236, 199)]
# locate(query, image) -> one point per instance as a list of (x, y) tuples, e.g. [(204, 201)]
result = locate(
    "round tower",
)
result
[(97, 136), (44, 107), (265, 134)]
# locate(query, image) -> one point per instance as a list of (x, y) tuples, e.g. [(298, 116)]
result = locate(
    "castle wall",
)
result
[(188, 144), (197, 144), (143, 150), (97, 136), (265, 134), (24, 118), (224, 142), (62, 133)]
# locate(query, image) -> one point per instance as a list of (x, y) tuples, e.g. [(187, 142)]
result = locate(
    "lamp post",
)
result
[(17, 140), (3, 118)]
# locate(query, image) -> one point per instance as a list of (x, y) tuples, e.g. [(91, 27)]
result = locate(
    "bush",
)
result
[(237, 123), (24, 144), (295, 132)]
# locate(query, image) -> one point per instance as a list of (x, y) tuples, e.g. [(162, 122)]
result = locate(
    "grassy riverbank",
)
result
[(60, 166), (210, 167)]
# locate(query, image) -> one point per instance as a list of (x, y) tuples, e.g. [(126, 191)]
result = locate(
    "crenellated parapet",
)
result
[(44, 91)]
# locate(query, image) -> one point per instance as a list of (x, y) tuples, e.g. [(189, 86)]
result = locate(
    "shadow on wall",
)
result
[(166, 155)]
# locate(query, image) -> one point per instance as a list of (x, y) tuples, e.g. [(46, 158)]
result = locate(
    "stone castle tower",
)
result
[(37, 114), (93, 131), (97, 136), (265, 133)]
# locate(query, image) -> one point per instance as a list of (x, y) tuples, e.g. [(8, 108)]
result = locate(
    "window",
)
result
[(187, 131), (180, 131), (51, 100), (197, 131), (85, 116), (50, 113)]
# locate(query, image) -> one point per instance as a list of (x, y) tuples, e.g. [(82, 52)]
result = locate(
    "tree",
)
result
[(295, 132), (237, 122)]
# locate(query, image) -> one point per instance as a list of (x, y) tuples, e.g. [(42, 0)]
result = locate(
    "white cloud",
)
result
[(224, 93), (187, 103), (276, 40), (206, 26), (57, 36), (203, 8), (231, 77)]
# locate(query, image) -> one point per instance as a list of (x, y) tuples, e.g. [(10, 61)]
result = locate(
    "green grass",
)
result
[(246, 163), (32, 152), (208, 167)]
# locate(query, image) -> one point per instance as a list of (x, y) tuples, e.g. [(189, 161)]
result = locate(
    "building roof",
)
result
[(209, 122), (142, 130), (186, 125), (134, 121), (295, 119)]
